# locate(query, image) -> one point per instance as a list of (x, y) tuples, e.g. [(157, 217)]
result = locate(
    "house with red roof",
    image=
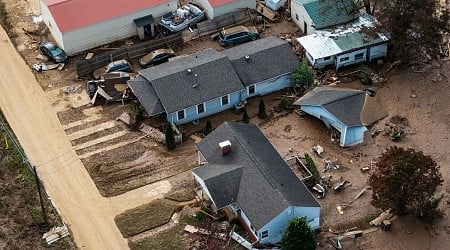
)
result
[(214, 8), (78, 25)]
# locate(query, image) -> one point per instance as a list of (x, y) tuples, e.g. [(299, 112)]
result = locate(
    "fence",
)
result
[(86, 67), (229, 19)]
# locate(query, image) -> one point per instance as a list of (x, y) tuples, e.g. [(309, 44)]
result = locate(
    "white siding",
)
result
[(351, 58), (300, 16), (108, 31), (230, 7), (47, 18), (205, 189), (226, 8), (204, 4)]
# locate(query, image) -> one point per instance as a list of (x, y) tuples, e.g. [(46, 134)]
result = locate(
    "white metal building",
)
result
[(78, 25), (214, 8), (310, 15), (359, 42)]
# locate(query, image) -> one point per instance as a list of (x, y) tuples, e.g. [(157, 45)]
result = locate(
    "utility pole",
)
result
[(44, 214)]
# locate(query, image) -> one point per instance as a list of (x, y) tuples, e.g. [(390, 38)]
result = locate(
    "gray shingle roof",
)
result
[(269, 57), (267, 185), (212, 74), (218, 176), (146, 95), (344, 104)]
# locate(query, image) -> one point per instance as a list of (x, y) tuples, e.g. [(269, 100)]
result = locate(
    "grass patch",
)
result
[(182, 192), (172, 238), (145, 217)]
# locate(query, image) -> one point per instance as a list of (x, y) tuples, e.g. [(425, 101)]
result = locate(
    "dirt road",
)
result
[(30, 115)]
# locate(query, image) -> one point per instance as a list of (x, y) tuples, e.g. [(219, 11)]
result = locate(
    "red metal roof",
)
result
[(215, 3), (73, 14)]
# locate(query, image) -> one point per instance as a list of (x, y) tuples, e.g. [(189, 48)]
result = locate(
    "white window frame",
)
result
[(359, 54), (222, 98), (203, 105), (264, 234), (254, 89), (178, 115), (344, 59)]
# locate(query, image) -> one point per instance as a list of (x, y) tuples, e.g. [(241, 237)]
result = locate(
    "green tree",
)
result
[(298, 236), (262, 109), (404, 180), (245, 117), (303, 75), (208, 127), (416, 27), (170, 137), (312, 168)]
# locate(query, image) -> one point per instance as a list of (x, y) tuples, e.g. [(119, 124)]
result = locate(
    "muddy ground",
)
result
[(128, 159)]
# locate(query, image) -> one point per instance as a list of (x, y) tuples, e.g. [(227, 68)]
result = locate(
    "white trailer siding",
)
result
[(215, 11), (91, 36), (301, 18), (350, 58), (233, 6), (47, 18), (206, 6)]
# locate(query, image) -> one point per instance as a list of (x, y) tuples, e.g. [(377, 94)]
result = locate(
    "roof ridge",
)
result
[(356, 92), (267, 176)]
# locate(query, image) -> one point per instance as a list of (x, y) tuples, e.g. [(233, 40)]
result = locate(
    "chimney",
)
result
[(189, 71), (225, 147)]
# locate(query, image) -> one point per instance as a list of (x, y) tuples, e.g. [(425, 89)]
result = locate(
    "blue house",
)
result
[(264, 66), (244, 174), (189, 88), (346, 110), (208, 82)]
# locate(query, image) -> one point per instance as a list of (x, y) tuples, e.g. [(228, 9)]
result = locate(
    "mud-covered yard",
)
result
[(120, 159)]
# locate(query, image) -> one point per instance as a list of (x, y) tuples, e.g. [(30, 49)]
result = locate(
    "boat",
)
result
[(184, 17)]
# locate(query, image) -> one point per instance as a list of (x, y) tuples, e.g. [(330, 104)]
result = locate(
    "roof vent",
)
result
[(225, 147), (247, 58), (195, 85), (189, 71)]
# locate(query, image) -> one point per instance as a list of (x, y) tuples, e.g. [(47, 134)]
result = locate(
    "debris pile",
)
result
[(395, 128)]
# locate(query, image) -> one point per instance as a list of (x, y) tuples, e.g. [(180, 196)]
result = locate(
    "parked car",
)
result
[(237, 34), (156, 57), (186, 16), (120, 65), (53, 52), (91, 87)]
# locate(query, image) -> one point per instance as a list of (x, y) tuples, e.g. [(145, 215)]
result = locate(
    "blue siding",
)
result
[(270, 85), (211, 107), (350, 136), (278, 224), (353, 136)]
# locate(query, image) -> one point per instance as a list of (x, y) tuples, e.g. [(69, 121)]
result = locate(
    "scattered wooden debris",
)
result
[(355, 197), (318, 149), (125, 118), (266, 12), (319, 189), (330, 165), (386, 215), (341, 186), (55, 234)]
